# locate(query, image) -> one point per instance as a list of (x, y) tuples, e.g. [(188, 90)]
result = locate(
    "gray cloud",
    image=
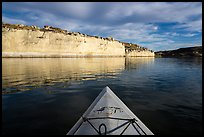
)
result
[(13, 21)]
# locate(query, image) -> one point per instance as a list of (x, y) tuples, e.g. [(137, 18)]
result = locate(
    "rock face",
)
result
[(134, 50), (182, 52), (32, 41)]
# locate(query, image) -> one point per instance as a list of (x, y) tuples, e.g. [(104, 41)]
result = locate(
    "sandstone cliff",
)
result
[(31, 41)]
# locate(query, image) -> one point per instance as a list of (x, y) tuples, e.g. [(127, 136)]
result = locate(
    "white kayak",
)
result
[(108, 115)]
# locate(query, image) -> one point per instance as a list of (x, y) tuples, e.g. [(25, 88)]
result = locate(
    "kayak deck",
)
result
[(109, 115)]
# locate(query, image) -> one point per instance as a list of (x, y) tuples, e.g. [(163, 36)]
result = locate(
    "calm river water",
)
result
[(48, 95)]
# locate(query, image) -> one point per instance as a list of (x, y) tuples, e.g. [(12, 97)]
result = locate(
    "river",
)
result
[(48, 95)]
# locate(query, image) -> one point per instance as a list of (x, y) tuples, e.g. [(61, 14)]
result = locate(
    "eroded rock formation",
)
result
[(19, 40)]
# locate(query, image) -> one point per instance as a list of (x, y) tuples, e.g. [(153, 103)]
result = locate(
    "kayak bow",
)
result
[(108, 115)]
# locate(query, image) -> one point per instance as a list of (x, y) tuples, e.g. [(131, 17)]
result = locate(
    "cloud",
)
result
[(189, 35), (13, 21), (139, 32), (170, 45), (171, 34), (195, 26), (155, 11), (115, 13)]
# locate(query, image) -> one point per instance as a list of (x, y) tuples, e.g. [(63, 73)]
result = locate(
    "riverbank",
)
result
[(182, 52)]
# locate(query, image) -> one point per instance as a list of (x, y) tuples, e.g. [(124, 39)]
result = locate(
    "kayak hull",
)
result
[(109, 115)]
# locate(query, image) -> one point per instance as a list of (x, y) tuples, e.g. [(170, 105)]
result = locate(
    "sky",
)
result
[(154, 25)]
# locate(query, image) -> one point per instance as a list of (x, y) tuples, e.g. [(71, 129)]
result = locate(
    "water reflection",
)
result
[(167, 91), (137, 62), (23, 74)]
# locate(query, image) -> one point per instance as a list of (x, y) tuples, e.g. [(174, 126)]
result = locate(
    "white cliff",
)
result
[(31, 41)]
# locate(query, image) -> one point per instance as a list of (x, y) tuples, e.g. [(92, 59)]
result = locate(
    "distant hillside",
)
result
[(182, 52)]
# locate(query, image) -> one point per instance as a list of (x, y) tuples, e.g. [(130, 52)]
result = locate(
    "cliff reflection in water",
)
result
[(137, 62), (27, 73)]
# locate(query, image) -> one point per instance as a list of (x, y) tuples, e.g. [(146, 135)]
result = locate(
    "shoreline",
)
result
[(57, 55)]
